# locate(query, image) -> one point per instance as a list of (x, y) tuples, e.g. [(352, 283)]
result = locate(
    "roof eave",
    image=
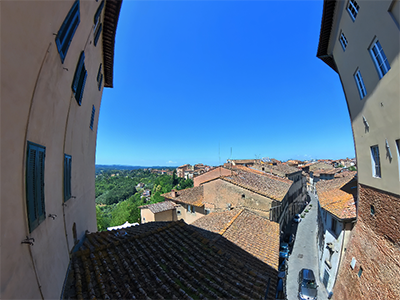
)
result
[(325, 34), (111, 16)]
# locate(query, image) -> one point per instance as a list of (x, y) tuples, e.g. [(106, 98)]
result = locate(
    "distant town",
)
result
[(237, 198)]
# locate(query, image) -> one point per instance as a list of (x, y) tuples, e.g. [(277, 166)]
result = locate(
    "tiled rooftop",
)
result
[(281, 170), (160, 206), (333, 198), (165, 260), (192, 196), (252, 233), (268, 185), (327, 171)]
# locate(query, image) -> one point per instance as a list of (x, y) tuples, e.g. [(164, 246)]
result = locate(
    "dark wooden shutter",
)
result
[(67, 30)]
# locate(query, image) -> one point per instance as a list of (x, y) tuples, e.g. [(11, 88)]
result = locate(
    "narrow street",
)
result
[(304, 253)]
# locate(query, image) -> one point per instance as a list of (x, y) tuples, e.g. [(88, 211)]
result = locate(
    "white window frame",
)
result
[(379, 58), (360, 84), (353, 8), (375, 161), (343, 41)]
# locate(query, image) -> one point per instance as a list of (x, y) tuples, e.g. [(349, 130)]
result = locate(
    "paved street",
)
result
[(304, 254)]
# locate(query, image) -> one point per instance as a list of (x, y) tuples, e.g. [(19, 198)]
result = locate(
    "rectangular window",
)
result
[(78, 84), (189, 209), (92, 117), (67, 177), (360, 84), (379, 58), (333, 226), (353, 8), (67, 30), (326, 278), (343, 41), (98, 26), (376, 166), (99, 77), (35, 185)]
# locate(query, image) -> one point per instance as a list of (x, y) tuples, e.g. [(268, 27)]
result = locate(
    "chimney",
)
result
[(173, 193)]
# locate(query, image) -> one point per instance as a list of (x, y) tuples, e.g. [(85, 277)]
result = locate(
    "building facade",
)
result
[(337, 201), (58, 57), (360, 41)]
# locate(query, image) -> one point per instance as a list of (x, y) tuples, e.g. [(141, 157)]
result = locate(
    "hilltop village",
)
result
[(254, 205)]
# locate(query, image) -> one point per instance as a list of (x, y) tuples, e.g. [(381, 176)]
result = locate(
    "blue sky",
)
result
[(195, 79)]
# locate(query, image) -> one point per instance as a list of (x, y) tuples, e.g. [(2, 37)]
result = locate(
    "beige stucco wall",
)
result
[(168, 215), (381, 106), (219, 193), (37, 105), (146, 215), (190, 217)]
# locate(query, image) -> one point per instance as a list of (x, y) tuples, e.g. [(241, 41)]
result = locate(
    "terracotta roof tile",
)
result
[(165, 260), (252, 233), (160, 206), (193, 196), (333, 198), (268, 185)]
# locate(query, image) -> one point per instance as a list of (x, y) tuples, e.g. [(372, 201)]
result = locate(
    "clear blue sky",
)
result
[(193, 79)]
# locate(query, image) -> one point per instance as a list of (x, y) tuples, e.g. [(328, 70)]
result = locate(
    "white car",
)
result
[(297, 218)]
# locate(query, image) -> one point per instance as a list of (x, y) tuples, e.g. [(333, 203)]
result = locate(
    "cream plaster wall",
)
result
[(146, 215), (37, 105), (381, 106)]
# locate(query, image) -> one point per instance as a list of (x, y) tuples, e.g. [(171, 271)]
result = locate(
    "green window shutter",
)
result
[(67, 30), (98, 12), (78, 83), (40, 185), (31, 187), (67, 177), (92, 117), (35, 185)]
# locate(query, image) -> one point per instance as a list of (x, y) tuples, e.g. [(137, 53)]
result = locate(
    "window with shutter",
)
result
[(35, 185), (67, 176), (78, 84), (99, 77), (98, 26), (92, 117), (67, 30)]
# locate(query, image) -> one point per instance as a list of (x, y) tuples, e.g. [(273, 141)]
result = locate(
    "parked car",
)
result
[(289, 238), (280, 294), (282, 265), (307, 285), (284, 250), (297, 218)]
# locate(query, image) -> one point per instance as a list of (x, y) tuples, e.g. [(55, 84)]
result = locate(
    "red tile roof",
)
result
[(252, 233), (334, 199), (166, 260), (193, 196), (160, 206), (268, 185)]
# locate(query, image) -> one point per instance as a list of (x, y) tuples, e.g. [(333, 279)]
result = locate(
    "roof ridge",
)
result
[(230, 222)]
